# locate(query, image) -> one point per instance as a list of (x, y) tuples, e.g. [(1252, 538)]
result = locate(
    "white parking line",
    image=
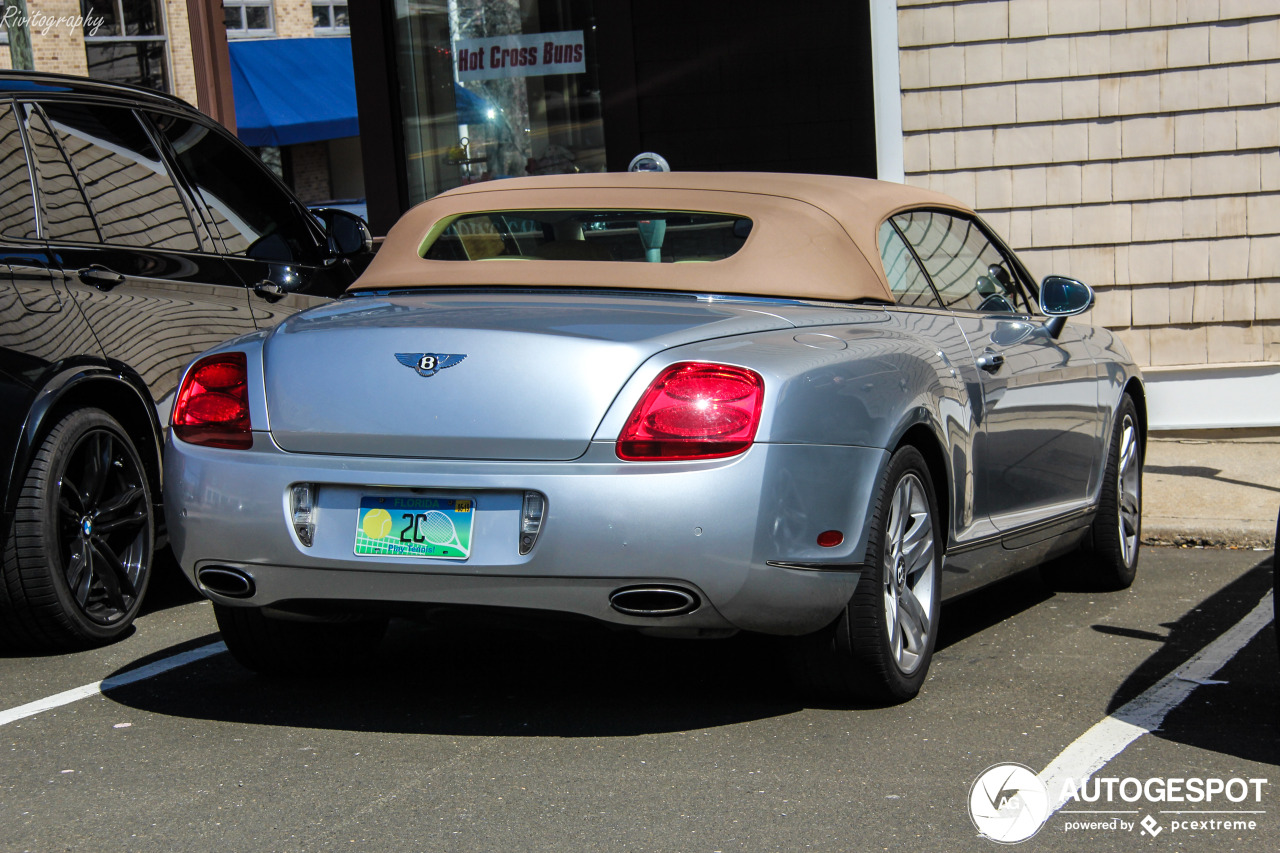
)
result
[(1092, 750), (98, 687)]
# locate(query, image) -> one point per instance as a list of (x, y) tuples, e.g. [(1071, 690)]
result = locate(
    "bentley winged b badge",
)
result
[(428, 363)]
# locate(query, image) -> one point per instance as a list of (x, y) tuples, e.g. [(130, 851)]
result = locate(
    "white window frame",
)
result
[(162, 20), (332, 30), (245, 32)]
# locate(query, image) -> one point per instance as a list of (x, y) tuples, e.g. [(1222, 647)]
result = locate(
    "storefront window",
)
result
[(496, 89)]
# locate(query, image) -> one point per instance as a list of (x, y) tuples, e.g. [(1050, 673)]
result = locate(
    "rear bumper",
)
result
[(712, 528)]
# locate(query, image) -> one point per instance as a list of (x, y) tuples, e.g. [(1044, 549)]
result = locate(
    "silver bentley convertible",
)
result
[(695, 404)]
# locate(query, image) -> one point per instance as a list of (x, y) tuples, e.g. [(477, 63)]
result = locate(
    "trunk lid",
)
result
[(473, 376)]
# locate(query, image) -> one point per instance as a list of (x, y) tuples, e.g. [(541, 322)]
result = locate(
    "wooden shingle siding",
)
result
[(135, 205), (17, 208), (157, 330), (1134, 145), (46, 333)]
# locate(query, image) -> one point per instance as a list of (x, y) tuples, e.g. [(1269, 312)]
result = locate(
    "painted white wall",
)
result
[(887, 90), (1213, 397)]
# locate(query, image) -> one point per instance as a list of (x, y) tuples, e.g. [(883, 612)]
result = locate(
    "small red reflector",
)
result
[(694, 410), (830, 538), (213, 403)]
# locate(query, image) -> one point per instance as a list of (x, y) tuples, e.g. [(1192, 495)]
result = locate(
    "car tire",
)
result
[(880, 647), (279, 645), (1111, 559), (80, 551)]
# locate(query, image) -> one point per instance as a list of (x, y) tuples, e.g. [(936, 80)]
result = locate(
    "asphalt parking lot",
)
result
[(476, 735)]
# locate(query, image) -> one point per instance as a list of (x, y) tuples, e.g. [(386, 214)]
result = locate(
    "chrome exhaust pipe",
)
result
[(653, 601), (227, 581)]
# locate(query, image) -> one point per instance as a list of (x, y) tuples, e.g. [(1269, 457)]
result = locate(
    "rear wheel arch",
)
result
[(120, 394), (879, 647), (922, 437), (1133, 388)]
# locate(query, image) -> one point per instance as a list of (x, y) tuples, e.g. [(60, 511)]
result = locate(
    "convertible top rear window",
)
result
[(654, 236)]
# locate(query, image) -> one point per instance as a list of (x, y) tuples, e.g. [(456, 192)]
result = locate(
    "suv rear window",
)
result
[(656, 236)]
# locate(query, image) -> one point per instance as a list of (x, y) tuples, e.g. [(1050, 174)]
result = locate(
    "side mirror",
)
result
[(1062, 297), (347, 234)]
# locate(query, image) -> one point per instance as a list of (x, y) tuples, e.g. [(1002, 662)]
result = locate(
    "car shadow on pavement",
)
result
[(481, 673), (1002, 600), (495, 679), (168, 586), (1238, 716), (1204, 473)]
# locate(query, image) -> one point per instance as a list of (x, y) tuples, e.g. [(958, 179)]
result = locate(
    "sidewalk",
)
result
[(1212, 491)]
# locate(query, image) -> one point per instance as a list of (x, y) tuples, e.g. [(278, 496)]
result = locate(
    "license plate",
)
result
[(415, 527)]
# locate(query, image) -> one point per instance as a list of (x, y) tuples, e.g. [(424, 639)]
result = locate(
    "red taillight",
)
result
[(694, 411), (213, 403)]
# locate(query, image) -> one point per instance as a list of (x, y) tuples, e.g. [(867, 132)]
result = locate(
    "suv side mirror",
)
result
[(1062, 297), (347, 234)]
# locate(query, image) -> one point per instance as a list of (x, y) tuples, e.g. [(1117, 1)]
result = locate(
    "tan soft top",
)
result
[(812, 236)]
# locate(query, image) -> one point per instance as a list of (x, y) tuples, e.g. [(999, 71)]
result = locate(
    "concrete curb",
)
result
[(1193, 532), (1214, 492)]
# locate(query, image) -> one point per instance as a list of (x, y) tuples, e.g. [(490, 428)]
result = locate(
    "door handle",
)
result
[(991, 361), (100, 277), (270, 291)]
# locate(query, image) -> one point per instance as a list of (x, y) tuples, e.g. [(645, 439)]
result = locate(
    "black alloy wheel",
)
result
[(78, 558)]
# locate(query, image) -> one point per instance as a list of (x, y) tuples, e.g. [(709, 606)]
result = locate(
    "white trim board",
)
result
[(1234, 396)]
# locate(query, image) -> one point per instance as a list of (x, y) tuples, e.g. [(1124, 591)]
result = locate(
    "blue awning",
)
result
[(293, 90)]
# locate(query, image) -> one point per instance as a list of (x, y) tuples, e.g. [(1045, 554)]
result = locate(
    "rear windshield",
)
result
[(654, 236)]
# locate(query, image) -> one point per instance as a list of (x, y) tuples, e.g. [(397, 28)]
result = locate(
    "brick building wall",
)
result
[(61, 49), (182, 64), (1134, 145), (293, 19), (309, 171)]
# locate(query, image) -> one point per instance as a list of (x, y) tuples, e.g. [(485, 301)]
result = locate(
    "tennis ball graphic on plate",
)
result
[(377, 523)]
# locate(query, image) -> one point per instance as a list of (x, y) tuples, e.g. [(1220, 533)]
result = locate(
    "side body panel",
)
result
[(169, 307), (1039, 447)]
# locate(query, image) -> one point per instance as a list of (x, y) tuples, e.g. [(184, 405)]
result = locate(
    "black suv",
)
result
[(134, 234)]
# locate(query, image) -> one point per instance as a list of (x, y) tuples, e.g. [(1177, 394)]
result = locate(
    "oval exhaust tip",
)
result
[(653, 601), (223, 580)]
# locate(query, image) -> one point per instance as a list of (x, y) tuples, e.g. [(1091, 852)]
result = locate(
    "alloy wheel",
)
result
[(1129, 489), (909, 573), (102, 526)]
